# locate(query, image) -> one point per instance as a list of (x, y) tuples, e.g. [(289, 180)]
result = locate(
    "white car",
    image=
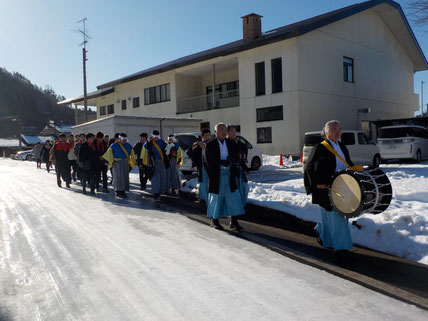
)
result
[(403, 142), (361, 151), (24, 155), (186, 140)]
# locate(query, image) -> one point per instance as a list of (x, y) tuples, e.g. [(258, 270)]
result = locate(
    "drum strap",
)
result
[(356, 168)]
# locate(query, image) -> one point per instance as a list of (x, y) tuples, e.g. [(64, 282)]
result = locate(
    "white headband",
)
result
[(156, 136), (121, 137)]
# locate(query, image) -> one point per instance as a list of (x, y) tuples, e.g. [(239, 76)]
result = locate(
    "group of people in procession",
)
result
[(221, 165), (87, 157)]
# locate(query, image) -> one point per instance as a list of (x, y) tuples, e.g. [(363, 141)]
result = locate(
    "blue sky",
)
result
[(37, 37)]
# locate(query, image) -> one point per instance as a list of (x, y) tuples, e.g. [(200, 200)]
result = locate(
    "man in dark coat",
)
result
[(221, 157), (60, 153), (100, 164), (333, 230), (196, 155), (88, 158), (144, 170)]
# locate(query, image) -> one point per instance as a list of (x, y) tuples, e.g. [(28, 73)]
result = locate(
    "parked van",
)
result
[(360, 149), (186, 140), (403, 142)]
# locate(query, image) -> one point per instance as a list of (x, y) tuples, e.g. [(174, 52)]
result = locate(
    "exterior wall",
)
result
[(313, 86), (136, 89), (323, 94), (283, 131)]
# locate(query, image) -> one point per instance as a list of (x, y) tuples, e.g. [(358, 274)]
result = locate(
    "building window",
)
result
[(110, 109), (270, 113), (348, 69), (124, 104), (205, 125), (260, 78), (136, 102), (157, 94), (102, 110), (276, 65), (264, 135), (224, 90)]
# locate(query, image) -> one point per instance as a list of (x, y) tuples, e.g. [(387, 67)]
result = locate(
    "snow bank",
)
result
[(402, 230)]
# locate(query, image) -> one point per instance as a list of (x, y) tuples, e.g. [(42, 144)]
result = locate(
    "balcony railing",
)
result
[(200, 103)]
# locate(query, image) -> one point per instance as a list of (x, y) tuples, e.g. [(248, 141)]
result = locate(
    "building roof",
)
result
[(91, 95), (34, 139), (389, 11)]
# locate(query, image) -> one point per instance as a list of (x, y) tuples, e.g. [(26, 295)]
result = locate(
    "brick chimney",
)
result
[(251, 26)]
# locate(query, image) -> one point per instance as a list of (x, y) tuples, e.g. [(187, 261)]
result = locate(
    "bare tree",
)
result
[(419, 12)]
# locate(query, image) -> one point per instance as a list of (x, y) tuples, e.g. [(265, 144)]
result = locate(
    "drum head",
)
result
[(346, 194)]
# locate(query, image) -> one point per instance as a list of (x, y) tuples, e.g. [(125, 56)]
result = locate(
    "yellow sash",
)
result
[(158, 149), (356, 168), (130, 161)]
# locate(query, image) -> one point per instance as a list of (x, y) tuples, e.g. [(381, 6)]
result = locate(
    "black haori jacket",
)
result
[(196, 157), (319, 170), (212, 165)]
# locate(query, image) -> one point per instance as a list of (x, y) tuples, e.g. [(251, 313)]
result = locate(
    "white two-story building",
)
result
[(355, 64)]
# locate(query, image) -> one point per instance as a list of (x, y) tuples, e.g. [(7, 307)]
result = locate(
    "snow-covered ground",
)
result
[(402, 230), (67, 256)]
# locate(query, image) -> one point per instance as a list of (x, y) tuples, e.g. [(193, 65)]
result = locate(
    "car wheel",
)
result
[(28, 157), (376, 160), (256, 163), (418, 156)]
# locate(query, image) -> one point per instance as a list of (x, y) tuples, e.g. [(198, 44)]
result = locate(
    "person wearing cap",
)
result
[(196, 154), (62, 165), (88, 158), (100, 163), (174, 156), (142, 169), (153, 155), (241, 164), (120, 157), (221, 157)]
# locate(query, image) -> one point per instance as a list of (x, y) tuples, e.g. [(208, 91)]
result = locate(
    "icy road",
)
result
[(66, 256)]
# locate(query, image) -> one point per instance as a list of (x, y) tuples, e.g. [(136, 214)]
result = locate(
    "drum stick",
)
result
[(332, 190)]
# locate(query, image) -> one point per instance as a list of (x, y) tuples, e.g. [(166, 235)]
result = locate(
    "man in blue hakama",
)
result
[(153, 156), (221, 155), (120, 157), (174, 156), (241, 165), (333, 230)]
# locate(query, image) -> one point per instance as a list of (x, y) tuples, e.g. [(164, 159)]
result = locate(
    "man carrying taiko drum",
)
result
[(323, 162)]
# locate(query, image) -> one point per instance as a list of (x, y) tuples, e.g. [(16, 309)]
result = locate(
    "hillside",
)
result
[(35, 106)]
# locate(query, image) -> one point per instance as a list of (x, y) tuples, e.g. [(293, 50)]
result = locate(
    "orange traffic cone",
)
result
[(281, 161)]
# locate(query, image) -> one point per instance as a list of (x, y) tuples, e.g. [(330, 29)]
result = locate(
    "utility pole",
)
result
[(84, 51), (422, 98)]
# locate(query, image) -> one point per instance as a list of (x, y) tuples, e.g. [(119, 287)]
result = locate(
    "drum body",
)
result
[(355, 193)]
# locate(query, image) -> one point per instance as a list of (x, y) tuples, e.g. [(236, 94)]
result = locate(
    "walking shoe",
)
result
[(92, 192), (216, 224), (234, 225), (173, 192), (67, 185), (59, 183)]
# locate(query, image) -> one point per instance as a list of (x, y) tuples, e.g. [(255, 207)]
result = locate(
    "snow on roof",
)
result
[(9, 142), (33, 139)]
